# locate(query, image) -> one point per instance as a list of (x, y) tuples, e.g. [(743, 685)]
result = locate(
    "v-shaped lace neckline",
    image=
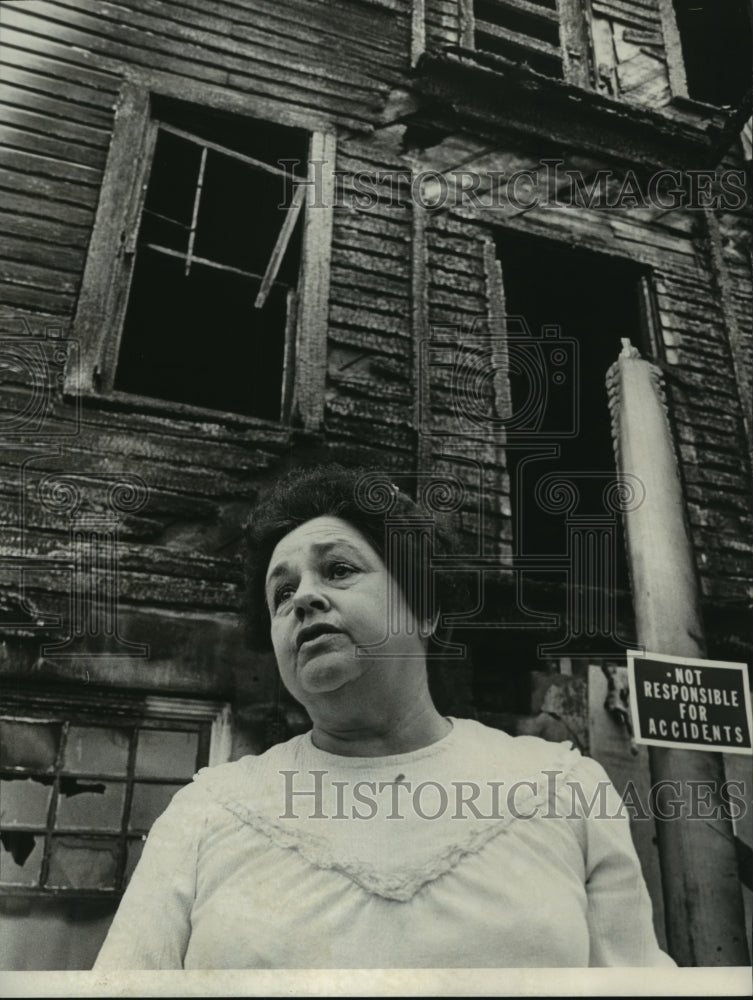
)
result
[(384, 858)]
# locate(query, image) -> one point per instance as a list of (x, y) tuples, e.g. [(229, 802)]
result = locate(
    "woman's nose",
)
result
[(309, 597)]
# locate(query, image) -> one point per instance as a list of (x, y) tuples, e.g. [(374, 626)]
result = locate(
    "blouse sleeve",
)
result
[(620, 916), (152, 925)]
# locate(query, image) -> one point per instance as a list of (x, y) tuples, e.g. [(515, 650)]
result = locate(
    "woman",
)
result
[(388, 836)]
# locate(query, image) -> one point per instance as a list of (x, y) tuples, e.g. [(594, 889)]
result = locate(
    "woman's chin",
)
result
[(325, 673)]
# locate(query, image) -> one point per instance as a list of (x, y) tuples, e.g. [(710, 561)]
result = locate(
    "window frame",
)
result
[(575, 44), (103, 298), (678, 79), (111, 710)]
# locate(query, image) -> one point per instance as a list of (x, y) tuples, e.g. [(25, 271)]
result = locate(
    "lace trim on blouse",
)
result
[(400, 884)]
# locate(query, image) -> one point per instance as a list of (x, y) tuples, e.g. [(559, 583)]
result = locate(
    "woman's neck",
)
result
[(366, 736)]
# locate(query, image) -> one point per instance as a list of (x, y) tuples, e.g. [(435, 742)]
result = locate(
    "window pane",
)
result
[(32, 745), (149, 801), (20, 858), (24, 802), (168, 207), (133, 855), (239, 219), (198, 339), (161, 754), (92, 748), (87, 804), (76, 863)]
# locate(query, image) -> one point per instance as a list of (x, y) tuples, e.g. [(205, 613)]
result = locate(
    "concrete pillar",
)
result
[(700, 881)]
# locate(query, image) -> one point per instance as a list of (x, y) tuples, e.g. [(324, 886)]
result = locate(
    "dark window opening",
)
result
[(717, 48), (591, 302), (212, 302), (521, 31)]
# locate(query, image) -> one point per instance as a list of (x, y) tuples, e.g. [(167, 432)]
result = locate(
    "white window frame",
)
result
[(93, 708)]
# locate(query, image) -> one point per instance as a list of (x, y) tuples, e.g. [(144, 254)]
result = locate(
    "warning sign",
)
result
[(690, 704)]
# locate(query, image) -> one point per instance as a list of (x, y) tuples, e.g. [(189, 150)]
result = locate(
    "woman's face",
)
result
[(328, 592)]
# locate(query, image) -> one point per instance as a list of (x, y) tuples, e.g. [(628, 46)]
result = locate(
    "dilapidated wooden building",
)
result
[(240, 236)]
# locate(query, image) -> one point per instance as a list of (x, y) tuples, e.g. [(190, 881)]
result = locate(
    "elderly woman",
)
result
[(389, 835)]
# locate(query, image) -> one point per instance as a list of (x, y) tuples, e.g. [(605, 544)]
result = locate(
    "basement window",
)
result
[(197, 287), (79, 791), (522, 31), (716, 41)]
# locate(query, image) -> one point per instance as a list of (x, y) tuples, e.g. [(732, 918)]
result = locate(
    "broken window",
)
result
[(212, 299), (78, 795), (523, 31), (716, 38), (196, 291)]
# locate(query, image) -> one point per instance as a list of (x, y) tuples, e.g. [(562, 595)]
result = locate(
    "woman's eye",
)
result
[(283, 593), (338, 571)]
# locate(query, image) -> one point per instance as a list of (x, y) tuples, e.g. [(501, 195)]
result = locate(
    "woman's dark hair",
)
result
[(367, 501)]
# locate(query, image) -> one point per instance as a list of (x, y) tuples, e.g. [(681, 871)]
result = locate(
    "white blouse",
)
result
[(481, 850)]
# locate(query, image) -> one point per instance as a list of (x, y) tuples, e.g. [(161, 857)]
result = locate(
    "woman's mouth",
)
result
[(314, 633)]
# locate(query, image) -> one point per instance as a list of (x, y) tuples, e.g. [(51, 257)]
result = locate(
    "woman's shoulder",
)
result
[(240, 776), (521, 753)]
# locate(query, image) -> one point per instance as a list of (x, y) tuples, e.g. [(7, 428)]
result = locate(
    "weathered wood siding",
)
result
[(443, 22), (629, 51), (735, 238), (626, 38), (62, 68), (370, 375), (337, 60), (459, 309), (61, 73), (706, 395)]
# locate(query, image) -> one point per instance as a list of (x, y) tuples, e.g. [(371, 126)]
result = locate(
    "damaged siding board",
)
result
[(369, 355), (642, 13), (705, 406), (445, 23), (630, 52), (460, 300), (733, 234)]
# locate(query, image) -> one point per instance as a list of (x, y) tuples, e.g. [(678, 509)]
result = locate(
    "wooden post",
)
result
[(700, 880)]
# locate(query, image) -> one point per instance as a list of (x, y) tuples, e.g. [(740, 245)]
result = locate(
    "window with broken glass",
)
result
[(78, 796), (211, 305), (205, 286)]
